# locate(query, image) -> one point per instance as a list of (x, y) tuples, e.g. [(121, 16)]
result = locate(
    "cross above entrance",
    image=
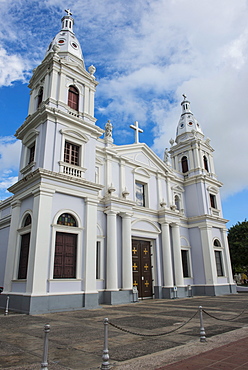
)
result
[(137, 130)]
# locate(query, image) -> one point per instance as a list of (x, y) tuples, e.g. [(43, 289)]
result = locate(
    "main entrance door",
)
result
[(142, 274)]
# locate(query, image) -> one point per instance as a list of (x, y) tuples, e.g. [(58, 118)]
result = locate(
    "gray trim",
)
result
[(117, 297)]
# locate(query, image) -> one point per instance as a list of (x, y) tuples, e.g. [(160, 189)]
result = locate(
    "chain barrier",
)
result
[(217, 318), (152, 335)]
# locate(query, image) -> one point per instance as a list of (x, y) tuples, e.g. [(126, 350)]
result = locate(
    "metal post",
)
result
[(105, 356), (202, 330), (7, 306), (44, 363)]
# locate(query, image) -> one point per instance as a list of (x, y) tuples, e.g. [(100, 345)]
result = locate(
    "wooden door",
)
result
[(65, 256), (142, 273)]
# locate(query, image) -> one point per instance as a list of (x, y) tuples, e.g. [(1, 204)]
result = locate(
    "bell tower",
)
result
[(60, 123), (192, 158)]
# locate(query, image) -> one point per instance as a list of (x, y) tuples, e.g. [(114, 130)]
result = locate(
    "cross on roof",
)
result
[(137, 130), (68, 11)]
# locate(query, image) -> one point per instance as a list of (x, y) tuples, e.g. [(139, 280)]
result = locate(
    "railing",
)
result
[(71, 170)]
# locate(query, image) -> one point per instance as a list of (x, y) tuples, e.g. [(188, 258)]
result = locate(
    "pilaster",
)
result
[(39, 251), (12, 245), (111, 268), (167, 257), (90, 246), (127, 274), (227, 256), (208, 255), (178, 268)]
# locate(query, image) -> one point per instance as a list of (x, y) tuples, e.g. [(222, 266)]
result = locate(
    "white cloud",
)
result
[(9, 163), (13, 67), (147, 53)]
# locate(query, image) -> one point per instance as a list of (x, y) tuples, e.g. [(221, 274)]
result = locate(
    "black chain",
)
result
[(152, 335), (217, 318)]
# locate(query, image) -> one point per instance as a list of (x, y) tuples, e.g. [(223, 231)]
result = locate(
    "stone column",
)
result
[(167, 258), (90, 246), (111, 268), (208, 255), (12, 260), (53, 85), (127, 273), (227, 256), (178, 267)]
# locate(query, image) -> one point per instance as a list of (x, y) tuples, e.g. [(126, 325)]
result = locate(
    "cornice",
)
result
[(202, 178), (6, 202), (40, 174), (45, 112), (5, 221)]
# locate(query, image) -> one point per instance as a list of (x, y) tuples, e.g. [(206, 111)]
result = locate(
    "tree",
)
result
[(238, 244)]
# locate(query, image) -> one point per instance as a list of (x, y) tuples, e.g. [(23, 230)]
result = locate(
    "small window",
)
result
[(31, 153), (218, 260), (67, 220), (205, 161), (71, 153), (73, 97), (185, 263), (185, 166), (98, 261), (140, 194), (213, 200), (40, 97)]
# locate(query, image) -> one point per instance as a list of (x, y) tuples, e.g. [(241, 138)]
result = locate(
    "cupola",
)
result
[(187, 121), (66, 40)]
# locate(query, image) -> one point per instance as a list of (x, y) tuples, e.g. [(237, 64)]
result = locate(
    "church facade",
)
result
[(93, 223)]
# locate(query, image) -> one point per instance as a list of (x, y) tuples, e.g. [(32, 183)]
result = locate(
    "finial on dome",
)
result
[(185, 104), (67, 21)]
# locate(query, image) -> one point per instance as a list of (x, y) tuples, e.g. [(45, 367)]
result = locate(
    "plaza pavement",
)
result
[(76, 337)]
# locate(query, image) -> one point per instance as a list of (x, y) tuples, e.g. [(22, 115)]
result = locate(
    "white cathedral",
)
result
[(91, 222)]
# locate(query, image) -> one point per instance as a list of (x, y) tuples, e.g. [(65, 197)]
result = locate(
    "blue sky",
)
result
[(147, 54)]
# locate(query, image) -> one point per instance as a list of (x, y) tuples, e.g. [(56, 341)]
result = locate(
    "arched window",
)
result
[(218, 258), (24, 250), (185, 166), (40, 96), (67, 220), (27, 220), (217, 243), (73, 97), (65, 259), (205, 161)]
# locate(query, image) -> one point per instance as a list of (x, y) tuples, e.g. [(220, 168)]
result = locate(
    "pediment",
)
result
[(74, 134), (143, 157)]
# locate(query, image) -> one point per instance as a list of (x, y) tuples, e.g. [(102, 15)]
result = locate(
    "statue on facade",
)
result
[(108, 129), (166, 155)]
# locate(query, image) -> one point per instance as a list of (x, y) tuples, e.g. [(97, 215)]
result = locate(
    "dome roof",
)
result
[(187, 121), (66, 39)]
